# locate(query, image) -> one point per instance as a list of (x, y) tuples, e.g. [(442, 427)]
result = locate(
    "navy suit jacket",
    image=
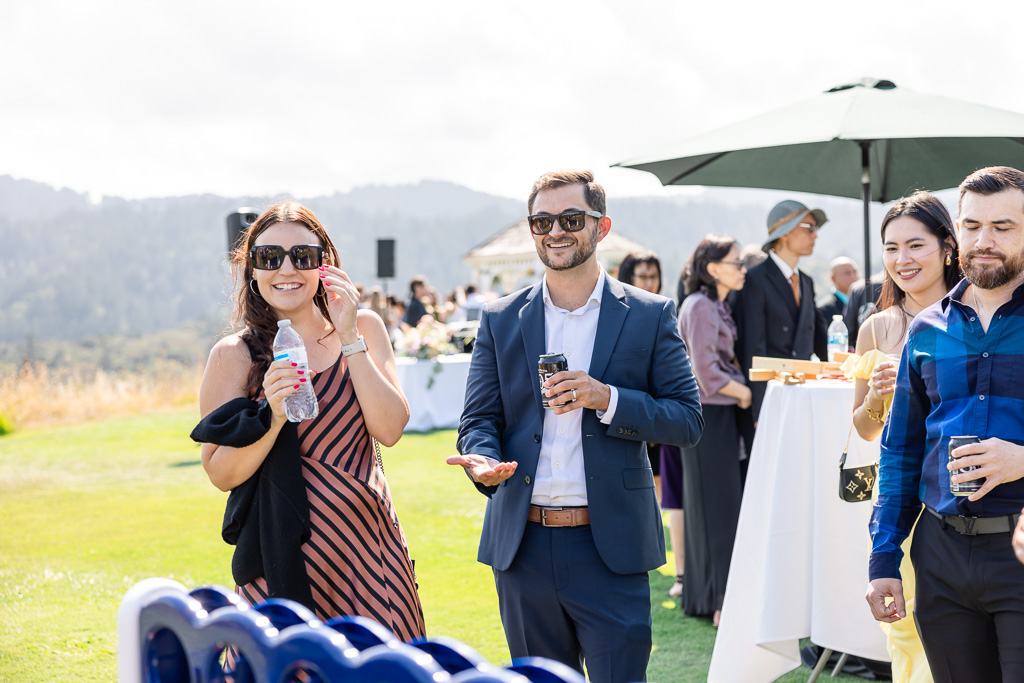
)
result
[(638, 350), (769, 323)]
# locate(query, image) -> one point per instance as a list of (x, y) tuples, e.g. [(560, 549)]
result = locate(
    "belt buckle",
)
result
[(544, 515), (969, 525)]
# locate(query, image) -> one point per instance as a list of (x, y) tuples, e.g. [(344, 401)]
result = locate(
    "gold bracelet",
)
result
[(876, 415)]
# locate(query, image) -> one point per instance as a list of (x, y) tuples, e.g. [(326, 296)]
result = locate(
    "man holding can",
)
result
[(572, 524), (961, 382)]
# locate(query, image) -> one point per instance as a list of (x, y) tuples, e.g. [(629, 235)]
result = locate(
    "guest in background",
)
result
[(843, 273), (859, 307), (752, 255), (415, 308), (775, 314), (713, 486), (375, 302), (643, 269)]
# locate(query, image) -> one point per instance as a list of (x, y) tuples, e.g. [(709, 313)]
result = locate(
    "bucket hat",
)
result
[(785, 216)]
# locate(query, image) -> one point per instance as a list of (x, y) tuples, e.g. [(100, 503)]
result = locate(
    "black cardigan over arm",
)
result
[(267, 516)]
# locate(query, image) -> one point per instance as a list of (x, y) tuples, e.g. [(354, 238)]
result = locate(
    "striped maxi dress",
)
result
[(356, 557)]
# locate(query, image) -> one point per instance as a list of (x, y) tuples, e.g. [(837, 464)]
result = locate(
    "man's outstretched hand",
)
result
[(485, 471)]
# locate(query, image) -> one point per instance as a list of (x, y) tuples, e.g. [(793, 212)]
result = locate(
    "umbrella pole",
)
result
[(865, 185)]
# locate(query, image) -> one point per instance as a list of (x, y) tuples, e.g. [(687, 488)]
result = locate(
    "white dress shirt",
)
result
[(561, 479), (787, 270)]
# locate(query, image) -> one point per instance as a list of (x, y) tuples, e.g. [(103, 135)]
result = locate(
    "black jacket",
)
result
[(267, 516), (769, 323)]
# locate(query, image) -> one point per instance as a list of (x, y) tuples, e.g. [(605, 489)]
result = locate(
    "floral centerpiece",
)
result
[(426, 341)]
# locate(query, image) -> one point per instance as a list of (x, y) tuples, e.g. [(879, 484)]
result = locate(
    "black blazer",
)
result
[(769, 322), (829, 306)]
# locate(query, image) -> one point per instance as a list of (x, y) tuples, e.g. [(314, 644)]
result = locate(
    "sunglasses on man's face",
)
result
[(571, 221), (271, 256)]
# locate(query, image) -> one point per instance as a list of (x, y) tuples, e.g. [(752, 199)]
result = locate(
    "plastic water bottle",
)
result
[(838, 337), (288, 345)]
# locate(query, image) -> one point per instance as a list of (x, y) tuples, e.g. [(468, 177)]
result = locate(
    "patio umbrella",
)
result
[(868, 139)]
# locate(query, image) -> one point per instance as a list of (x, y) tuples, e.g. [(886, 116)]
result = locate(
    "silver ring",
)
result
[(574, 394)]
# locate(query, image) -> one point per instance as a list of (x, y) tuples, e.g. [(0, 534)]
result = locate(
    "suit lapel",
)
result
[(531, 326), (783, 286), (609, 325)]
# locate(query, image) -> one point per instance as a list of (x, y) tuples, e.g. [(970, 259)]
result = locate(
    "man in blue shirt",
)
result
[(961, 374)]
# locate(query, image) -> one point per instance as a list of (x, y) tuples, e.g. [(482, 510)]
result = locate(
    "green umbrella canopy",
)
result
[(915, 141), (868, 139)]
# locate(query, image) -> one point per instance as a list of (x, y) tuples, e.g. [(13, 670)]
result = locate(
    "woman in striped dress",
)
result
[(355, 556)]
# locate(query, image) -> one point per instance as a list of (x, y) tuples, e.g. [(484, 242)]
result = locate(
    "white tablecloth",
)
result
[(799, 566), (436, 390)]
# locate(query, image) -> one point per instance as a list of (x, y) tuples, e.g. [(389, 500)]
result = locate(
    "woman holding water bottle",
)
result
[(310, 511), (922, 263)]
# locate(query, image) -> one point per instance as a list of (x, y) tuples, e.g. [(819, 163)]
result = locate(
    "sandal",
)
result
[(677, 588)]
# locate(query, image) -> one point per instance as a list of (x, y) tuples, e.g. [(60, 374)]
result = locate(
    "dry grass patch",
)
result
[(37, 396)]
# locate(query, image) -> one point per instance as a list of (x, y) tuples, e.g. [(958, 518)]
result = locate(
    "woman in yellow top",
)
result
[(922, 263)]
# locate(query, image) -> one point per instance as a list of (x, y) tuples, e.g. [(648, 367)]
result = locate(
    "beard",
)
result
[(991, 277), (585, 248)]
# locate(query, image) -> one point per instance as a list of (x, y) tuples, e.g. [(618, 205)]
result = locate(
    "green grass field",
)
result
[(88, 510)]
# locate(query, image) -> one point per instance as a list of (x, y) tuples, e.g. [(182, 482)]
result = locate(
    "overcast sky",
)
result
[(146, 99)]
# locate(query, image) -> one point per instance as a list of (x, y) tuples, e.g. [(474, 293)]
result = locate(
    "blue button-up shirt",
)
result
[(954, 379)]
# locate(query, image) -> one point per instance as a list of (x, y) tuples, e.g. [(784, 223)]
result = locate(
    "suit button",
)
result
[(785, 328), (536, 437), (527, 479)]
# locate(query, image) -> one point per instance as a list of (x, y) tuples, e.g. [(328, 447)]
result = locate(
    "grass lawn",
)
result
[(88, 510)]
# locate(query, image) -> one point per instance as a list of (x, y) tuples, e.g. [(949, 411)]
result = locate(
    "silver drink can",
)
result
[(548, 365), (964, 488)]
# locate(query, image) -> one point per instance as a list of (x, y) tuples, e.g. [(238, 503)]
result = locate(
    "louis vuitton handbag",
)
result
[(855, 483)]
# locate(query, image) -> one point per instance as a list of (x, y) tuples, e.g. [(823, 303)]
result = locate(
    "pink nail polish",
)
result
[(301, 372), (303, 379), (295, 365), (296, 386)]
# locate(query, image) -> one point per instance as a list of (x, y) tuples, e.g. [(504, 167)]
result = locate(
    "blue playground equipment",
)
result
[(167, 634)]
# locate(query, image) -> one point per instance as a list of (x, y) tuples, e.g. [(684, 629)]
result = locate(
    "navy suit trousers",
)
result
[(559, 600)]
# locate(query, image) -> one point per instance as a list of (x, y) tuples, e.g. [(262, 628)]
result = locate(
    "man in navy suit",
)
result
[(775, 311), (572, 523)]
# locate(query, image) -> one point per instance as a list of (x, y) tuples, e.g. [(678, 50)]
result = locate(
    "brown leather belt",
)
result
[(559, 516)]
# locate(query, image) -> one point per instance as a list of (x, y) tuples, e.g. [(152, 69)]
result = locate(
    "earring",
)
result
[(253, 288), (949, 258)]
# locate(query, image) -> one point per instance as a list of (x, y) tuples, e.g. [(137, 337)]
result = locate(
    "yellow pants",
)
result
[(909, 665)]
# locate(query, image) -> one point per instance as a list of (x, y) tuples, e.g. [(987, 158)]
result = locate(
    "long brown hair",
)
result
[(252, 313)]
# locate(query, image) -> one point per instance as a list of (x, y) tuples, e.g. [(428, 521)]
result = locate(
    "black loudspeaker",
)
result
[(238, 222), (385, 258)]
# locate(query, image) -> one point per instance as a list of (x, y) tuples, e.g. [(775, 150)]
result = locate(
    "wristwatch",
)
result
[(358, 346)]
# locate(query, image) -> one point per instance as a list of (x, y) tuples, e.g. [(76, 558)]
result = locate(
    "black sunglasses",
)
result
[(571, 221), (271, 256)]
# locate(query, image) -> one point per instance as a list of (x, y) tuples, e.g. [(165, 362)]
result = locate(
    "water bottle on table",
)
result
[(288, 345), (838, 337)]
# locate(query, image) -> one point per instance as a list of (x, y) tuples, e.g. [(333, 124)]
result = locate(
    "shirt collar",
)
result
[(843, 298), (593, 301), (787, 270), (957, 294)]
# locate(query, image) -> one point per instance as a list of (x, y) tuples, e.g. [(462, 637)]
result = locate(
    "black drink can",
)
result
[(548, 365), (964, 488)]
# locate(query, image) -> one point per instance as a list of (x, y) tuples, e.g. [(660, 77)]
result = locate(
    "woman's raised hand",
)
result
[(883, 379), (342, 301), (283, 379)]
